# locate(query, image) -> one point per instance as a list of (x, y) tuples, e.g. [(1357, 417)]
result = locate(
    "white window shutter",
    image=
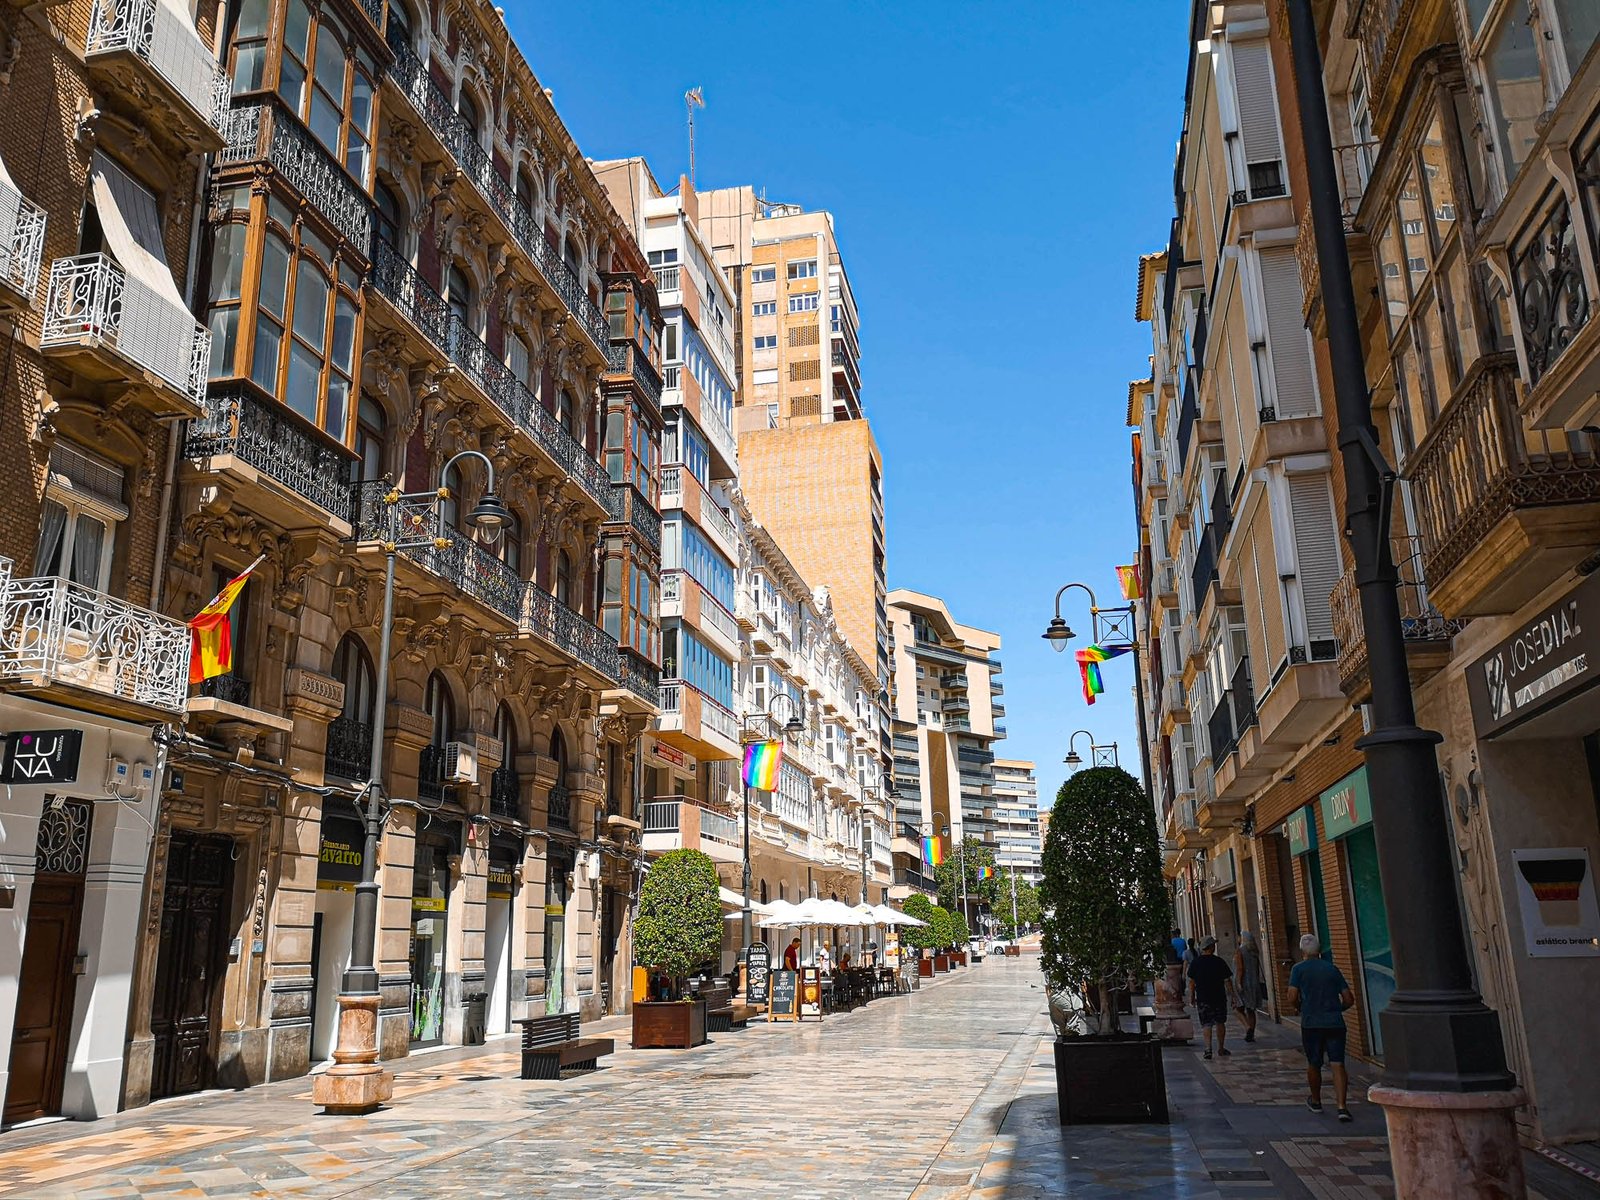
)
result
[(1258, 106), (1316, 541), (1287, 340)]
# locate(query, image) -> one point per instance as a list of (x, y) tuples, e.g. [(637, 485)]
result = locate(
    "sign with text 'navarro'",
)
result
[(344, 841), (42, 756)]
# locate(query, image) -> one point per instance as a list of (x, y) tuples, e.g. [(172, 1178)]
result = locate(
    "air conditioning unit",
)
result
[(460, 763)]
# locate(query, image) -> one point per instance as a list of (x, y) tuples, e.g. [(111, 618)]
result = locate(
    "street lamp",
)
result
[(1113, 628), (1444, 1062), (791, 728), (1100, 753), (355, 1083)]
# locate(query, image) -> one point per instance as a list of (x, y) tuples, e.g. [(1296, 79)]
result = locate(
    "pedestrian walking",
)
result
[(1319, 990), (1178, 945), (791, 956), (1249, 981), (1209, 978), (1190, 953)]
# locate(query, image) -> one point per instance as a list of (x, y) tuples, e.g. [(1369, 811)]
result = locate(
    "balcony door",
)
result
[(79, 517)]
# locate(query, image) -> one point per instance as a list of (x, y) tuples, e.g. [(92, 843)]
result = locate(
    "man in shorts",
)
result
[(1208, 980), (1318, 989)]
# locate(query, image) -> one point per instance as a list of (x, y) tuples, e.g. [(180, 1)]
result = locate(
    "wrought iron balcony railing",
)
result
[(22, 225), (560, 807), (1552, 296), (398, 282), (1479, 463), (93, 301), (626, 359), (274, 441), (641, 678), (546, 617), (349, 751), (265, 132), (644, 519), (505, 793), (416, 83), (1420, 621), (430, 772), (161, 35), (54, 631)]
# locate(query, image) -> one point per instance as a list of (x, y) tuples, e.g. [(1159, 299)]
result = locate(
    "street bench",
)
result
[(551, 1044), (1146, 1015)]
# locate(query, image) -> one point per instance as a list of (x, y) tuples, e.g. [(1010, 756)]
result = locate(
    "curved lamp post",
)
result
[(1097, 751), (1116, 629), (355, 1083), (791, 728)]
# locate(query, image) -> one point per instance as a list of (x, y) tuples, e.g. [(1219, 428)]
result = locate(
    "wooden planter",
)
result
[(669, 1025), (941, 962), (1107, 1079), (925, 968), (960, 956)]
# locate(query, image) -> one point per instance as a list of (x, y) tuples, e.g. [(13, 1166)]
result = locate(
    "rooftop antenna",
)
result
[(692, 99)]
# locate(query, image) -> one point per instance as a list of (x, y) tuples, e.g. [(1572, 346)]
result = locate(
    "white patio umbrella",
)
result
[(890, 916), (784, 913), (836, 912), (732, 898)]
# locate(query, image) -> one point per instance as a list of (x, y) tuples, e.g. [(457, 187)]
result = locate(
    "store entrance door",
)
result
[(1372, 929), (430, 890), (190, 962)]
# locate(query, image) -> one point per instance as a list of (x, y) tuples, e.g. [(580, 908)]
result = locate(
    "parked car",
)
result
[(975, 948), (998, 946)]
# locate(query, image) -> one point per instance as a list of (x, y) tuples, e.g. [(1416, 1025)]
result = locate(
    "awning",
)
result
[(734, 899), (131, 223), (181, 54)]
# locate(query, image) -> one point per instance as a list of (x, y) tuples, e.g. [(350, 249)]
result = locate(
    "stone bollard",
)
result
[(1172, 1023)]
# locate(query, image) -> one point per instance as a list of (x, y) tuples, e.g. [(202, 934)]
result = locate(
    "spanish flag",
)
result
[(1128, 578), (211, 631)]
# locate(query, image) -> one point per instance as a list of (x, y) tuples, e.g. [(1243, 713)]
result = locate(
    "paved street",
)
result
[(944, 1094)]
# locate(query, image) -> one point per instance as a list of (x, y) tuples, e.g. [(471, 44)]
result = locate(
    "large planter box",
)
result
[(1110, 1079), (669, 1025), (960, 957), (925, 968), (941, 962), (1013, 951)]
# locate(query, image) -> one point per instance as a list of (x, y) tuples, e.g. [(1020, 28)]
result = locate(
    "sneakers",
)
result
[(1250, 1037), (1314, 1105), (1225, 1052), (1208, 1056), (1344, 1115)]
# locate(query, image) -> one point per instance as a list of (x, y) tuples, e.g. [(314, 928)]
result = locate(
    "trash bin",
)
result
[(472, 1033)]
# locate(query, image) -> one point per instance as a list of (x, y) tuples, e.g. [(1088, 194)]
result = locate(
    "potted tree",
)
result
[(962, 934), (1107, 915), (678, 927), (943, 934), (921, 938)]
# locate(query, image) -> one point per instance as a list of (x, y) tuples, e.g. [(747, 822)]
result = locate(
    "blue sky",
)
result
[(994, 172)]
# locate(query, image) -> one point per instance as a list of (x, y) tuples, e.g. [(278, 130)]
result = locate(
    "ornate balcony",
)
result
[(108, 321), (642, 519), (640, 677), (145, 56), (414, 81), (559, 807), (22, 225), (263, 132), (264, 444), (349, 751), (505, 793), (626, 360), (1426, 630), (547, 618), (1502, 508), (88, 648), (403, 287)]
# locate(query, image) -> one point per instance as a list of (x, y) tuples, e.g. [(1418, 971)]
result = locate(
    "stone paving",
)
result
[(946, 1094)]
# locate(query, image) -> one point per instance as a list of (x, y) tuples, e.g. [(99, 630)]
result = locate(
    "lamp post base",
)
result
[(1448, 1144), (1172, 1023), (355, 1084)]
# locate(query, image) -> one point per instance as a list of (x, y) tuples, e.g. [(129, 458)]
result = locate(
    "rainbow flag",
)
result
[(1128, 577), (1089, 660), (761, 761), (211, 630), (932, 851), (985, 872)]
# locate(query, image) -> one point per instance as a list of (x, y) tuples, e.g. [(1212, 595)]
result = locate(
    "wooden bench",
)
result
[(551, 1044), (1146, 1015)]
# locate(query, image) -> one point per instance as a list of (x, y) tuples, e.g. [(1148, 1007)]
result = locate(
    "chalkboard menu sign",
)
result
[(757, 966), (810, 992), (783, 1003)]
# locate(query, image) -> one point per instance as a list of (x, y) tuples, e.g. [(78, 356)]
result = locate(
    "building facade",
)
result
[(101, 134), (1018, 839), (945, 693), (1464, 140)]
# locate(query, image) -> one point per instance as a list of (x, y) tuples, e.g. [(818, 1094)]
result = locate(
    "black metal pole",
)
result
[(1438, 1034), (747, 879), (1138, 695), (361, 976)]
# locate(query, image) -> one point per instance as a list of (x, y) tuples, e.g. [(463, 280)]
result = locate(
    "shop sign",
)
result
[(1347, 805), (344, 841), (670, 754), (1555, 889), (1544, 661), (502, 877), (42, 756), (1300, 830), (428, 903), (758, 965)]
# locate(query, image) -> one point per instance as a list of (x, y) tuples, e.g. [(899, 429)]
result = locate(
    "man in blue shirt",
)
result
[(1178, 945), (1318, 989)]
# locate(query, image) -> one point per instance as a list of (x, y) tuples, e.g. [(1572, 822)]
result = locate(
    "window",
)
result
[(564, 577), (763, 274), (508, 546), (441, 710), (519, 360), (612, 571), (764, 308), (669, 342), (805, 268), (250, 27), (770, 375), (304, 345), (1258, 120), (467, 109), (78, 518), (767, 341), (353, 668), (370, 426), (387, 220), (705, 564), (458, 294), (686, 657), (806, 303), (525, 193), (663, 258), (328, 87)]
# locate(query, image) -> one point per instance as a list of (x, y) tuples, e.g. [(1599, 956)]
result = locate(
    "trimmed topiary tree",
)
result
[(963, 932), (944, 930), (919, 937), (679, 925), (1108, 912)]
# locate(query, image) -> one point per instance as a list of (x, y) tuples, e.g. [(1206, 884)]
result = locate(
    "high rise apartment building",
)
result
[(1017, 836), (946, 708), (699, 545), (1466, 140), (810, 467)]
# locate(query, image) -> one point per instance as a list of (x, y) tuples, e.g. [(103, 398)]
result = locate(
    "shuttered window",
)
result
[(1317, 553), (1287, 341), (1258, 119)]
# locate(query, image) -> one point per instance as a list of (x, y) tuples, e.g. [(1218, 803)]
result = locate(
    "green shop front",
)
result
[(1346, 810)]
